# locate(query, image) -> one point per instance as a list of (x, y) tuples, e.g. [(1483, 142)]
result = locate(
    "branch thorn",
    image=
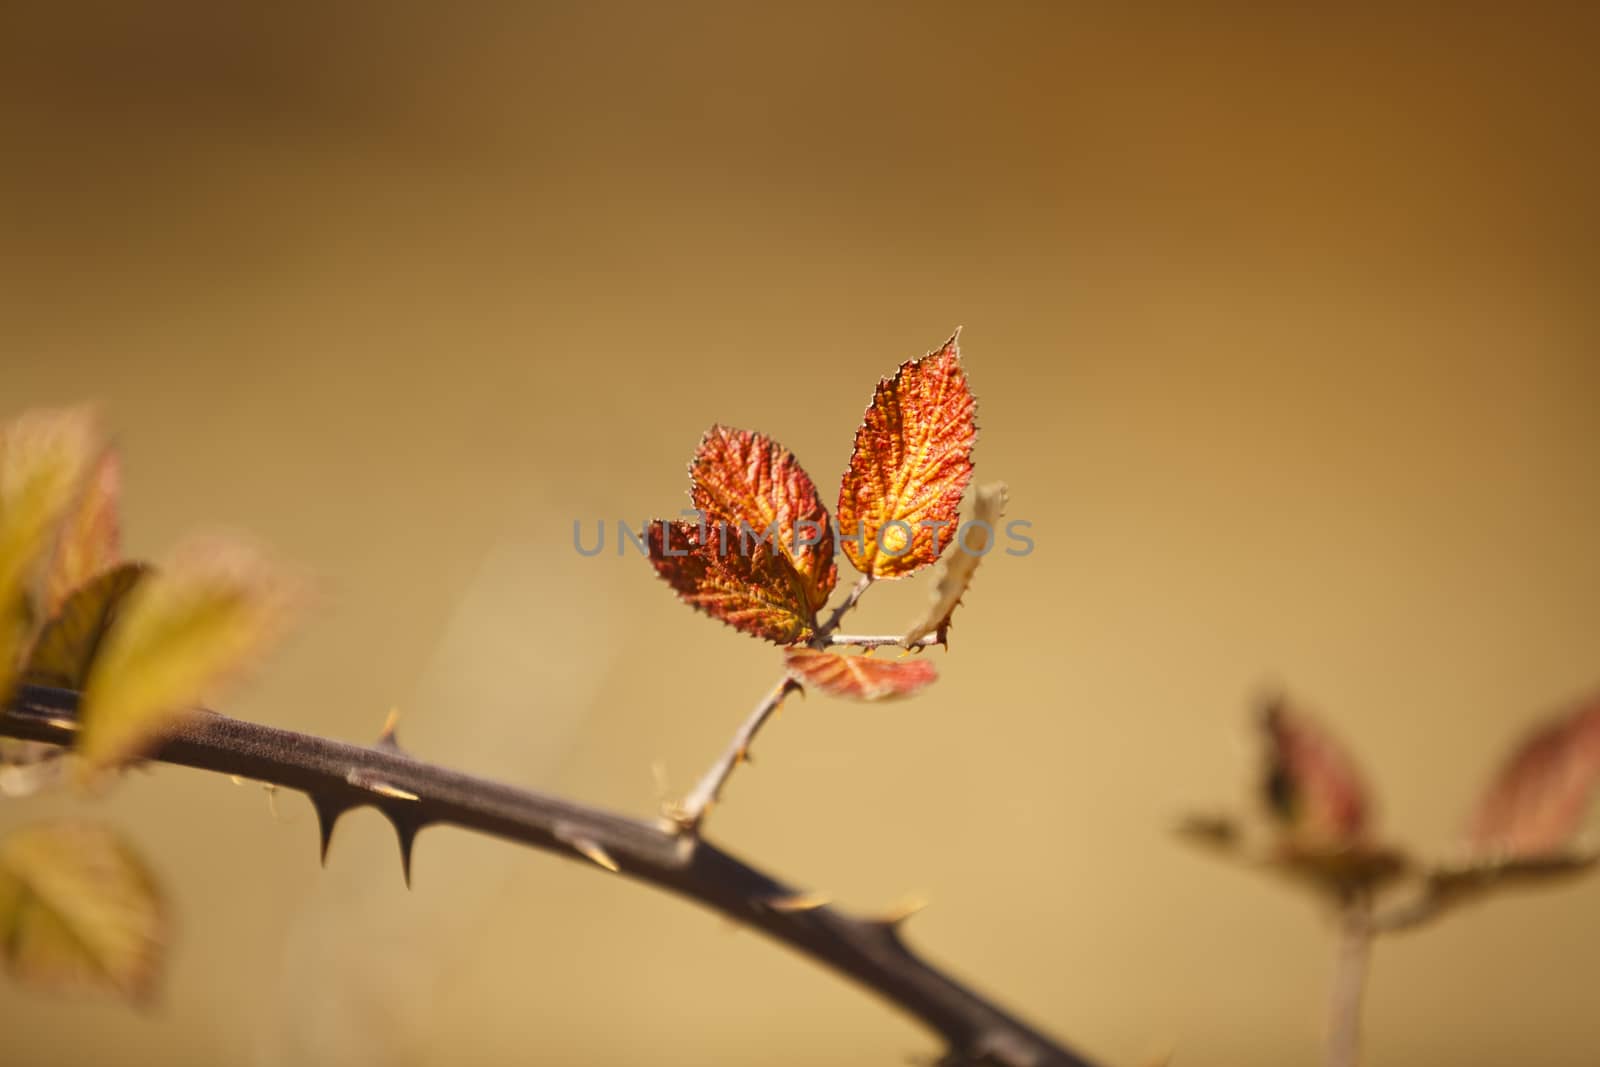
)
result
[(586, 847), (799, 902), (595, 854), (365, 781), (405, 828), (328, 812), (386, 736), (903, 909)]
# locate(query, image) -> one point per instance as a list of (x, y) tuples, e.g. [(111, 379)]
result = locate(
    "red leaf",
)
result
[(911, 464), (858, 677), (1312, 785), (1540, 797), (752, 589), (743, 478)]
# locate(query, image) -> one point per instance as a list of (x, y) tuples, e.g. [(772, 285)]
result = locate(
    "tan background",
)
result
[(1285, 337)]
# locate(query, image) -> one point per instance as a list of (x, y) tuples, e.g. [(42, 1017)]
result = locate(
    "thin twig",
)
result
[(691, 812), (1349, 983), (825, 631), (880, 640), (413, 794), (708, 791)]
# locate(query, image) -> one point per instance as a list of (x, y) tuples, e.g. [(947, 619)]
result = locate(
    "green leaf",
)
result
[(44, 457), (182, 633), (79, 910), (90, 538), (67, 646)]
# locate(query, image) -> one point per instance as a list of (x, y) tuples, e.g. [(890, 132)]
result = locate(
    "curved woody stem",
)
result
[(413, 794)]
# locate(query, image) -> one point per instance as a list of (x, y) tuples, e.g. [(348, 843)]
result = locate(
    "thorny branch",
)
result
[(413, 794)]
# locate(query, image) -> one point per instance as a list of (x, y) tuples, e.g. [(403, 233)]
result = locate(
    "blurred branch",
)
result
[(1349, 983), (413, 794)]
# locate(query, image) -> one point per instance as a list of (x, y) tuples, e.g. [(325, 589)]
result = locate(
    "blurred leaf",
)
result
[(1311, 786), (1450, 886), (78, 909), (1217, 832), (911, 463), (961, 565), (1512, 872), (1343, 870), (66, 647), (44, 456), (1541, 794), (742, 477), (858, 677), (90, 539), (1339, 870), (754, 589), (181, 633)]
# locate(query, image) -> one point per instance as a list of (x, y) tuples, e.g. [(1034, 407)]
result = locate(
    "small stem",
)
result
[(880, 640), (1349, 983), (709, 788), (825, 631), (692, 812)]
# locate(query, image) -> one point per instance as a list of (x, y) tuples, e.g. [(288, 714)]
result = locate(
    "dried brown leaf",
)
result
[(961, 564)]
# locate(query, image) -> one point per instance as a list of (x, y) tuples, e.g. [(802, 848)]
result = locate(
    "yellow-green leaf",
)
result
[(90, 541), (79, 910), (44, 456), (187, 629), (68, 644)]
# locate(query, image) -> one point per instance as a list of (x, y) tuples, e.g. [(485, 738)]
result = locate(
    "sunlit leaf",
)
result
[(751, 588), (746, 479), (79, 910), (858, 677), (1311, 785), (911, 463), (44, 457), (183, 632), (90, 538), (961, 565), (1540, 796), (68, 643)]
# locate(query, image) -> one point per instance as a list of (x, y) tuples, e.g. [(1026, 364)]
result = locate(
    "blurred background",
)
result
[(1284, 331)]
